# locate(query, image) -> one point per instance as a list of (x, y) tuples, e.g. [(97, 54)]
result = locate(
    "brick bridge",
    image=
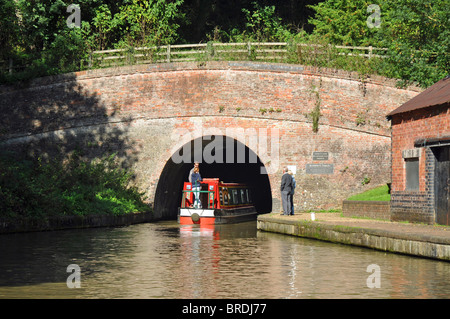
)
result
[(243, 120)]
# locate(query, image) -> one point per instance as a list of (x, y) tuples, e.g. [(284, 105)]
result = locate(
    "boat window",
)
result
[(235, 196), (230, 196), (243, 200), (226, 196)]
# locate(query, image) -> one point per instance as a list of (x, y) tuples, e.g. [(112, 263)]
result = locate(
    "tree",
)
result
[(149, 22), (415, 32), (418, 37), (344, 22), (9, 29), (100, 32), (264, 25)]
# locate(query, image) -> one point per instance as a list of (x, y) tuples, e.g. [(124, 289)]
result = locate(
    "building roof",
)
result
[(437, 94)]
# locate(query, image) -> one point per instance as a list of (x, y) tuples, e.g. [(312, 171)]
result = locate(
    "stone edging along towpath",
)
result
[(429, 241)]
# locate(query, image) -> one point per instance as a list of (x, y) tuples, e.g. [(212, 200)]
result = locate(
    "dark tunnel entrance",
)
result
[(219, 156)]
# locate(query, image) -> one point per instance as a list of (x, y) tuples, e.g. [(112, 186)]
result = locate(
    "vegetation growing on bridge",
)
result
[(38, 189), (36, 39)]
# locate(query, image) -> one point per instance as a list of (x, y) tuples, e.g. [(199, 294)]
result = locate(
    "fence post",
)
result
[(370, 51), (249, 48), (210, 50), (168, 53), (90, 60)]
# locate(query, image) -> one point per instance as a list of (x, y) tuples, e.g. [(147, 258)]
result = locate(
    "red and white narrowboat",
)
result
[(221, 203)]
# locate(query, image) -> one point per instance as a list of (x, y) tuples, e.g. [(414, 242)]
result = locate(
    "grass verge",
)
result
[(380, 193)]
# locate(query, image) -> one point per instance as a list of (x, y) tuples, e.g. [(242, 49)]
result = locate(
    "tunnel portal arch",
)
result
[(220, 157)]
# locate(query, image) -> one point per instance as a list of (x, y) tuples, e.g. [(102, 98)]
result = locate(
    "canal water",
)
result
[(166, 260)]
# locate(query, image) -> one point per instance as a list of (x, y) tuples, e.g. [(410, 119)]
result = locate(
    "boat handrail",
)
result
[(210, 203)]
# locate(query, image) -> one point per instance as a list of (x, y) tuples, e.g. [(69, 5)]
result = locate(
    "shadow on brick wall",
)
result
[(51, 117)]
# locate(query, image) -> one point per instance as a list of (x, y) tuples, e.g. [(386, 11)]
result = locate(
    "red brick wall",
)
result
[(409, 127), (367, 209), (138, 111), (432, 122), (218, 89)]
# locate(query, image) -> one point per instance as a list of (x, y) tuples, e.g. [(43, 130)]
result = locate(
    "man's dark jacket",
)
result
[(286, 183)]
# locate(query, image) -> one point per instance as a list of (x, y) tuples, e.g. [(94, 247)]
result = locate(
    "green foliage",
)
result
[(76, 187), (149, 22), (263, 25), (344, 22), (100, 33), (9, 29), (417, 34), (366, 180), (315, 114), (34, 34)]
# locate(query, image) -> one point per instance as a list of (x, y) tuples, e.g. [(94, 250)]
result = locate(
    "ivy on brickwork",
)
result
[(360, 119), (315, 114)]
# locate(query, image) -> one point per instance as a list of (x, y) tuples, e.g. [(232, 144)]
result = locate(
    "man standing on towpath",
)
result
[(286, 189)]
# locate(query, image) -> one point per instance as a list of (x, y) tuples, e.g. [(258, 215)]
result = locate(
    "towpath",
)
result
[(416, 239)]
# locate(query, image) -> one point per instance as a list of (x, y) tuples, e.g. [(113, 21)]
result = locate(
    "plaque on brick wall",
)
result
[(320, 156), (319, 169)]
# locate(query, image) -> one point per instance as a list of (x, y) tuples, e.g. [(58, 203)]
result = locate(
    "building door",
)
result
[(442, 185)]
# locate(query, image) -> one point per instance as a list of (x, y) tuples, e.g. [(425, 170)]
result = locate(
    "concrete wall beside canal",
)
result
[(385, 240)]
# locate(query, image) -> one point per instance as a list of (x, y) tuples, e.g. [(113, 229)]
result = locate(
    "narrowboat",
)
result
[(221, 203)]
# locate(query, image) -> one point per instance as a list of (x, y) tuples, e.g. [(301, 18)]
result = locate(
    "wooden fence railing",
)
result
[(273, 51), (268, 51)]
